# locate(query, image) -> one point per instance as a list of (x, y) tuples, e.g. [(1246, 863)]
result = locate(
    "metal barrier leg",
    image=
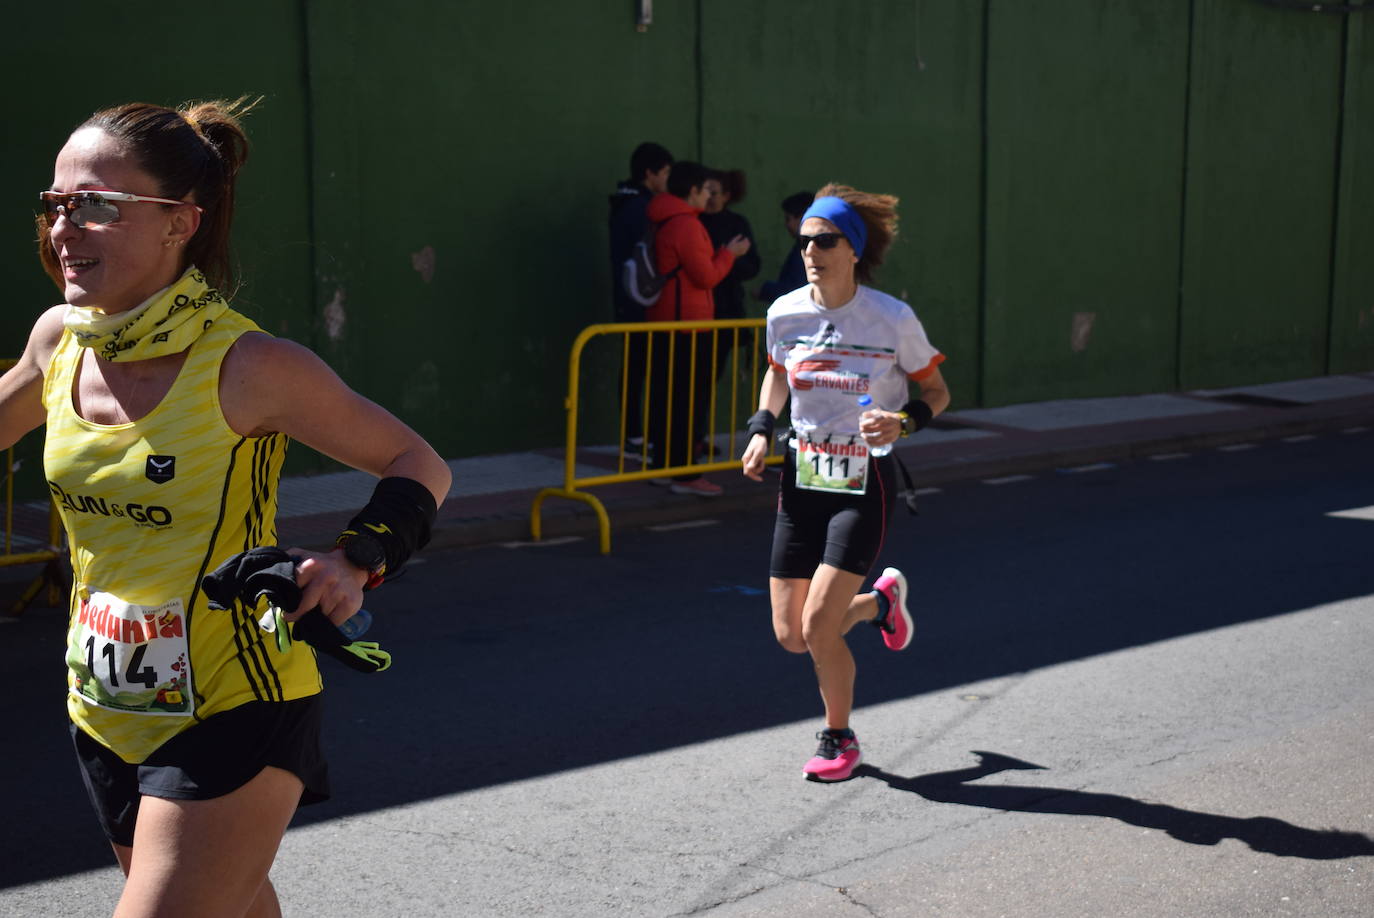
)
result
[(603, 520), (58, 588), (51, 578)]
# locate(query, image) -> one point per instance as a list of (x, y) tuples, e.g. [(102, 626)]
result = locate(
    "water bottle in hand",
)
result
[(356, 626), (866, 403)]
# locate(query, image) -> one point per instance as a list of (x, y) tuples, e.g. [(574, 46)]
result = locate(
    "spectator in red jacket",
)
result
[(684, 250)]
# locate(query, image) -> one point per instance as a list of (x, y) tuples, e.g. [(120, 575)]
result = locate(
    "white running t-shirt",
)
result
[(873, 344)]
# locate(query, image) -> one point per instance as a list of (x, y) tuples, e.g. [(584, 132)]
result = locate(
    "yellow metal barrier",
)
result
[(672, 340), (49, 555)]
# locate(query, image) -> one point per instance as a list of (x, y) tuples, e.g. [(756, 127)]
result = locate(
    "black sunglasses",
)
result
[(822, 240)]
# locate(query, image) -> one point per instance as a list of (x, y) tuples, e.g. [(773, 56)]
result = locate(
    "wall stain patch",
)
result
[(423, 262), (334, 316), (1081, 331)]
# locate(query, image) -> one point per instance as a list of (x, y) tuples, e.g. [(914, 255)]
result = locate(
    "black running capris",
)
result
[(843, 530)]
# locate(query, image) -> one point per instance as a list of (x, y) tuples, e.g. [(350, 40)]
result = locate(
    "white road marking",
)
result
[(1236, 447), (1355, 430), (561, 540), (1007, 479), (921, 491), (1169, 457), (1094, 467), (1354, 513), (1300, 438), (685, 524)]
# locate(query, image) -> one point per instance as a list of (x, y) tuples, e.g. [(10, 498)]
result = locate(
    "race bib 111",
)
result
[(839, 466)]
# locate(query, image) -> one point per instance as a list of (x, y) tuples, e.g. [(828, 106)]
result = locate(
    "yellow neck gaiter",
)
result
[(167, 322)]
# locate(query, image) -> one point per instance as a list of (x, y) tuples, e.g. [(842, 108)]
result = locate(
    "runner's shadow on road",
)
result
[(1262, 833)]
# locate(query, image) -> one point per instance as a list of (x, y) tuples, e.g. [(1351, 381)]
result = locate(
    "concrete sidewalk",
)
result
[(491, 496)]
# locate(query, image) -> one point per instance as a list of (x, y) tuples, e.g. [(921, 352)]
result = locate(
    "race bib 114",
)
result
[(130, 658)]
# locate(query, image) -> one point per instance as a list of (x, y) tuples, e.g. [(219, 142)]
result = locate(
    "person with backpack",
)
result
[(692, 267), (650, 165)]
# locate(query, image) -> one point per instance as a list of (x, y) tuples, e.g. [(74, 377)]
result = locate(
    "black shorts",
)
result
[(842, 530), (208, 760)]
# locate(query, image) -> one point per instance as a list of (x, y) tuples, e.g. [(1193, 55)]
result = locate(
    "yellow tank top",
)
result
[(149, 508)]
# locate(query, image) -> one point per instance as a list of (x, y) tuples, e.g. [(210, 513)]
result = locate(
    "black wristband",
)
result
[(400, 516), (762, 422), (920, 414)]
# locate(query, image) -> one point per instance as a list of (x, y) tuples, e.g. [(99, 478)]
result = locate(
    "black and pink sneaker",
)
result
[(836, 758), (896, 626)]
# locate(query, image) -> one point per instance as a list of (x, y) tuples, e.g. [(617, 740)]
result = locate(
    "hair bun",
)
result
[(218, 122)]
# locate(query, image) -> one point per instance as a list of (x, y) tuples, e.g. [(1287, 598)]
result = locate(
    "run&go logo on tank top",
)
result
[(150, 516)]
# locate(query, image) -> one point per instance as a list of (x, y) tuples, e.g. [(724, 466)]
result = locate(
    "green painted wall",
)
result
[(1264, 124), (1352, 297), (1097, 199), (1085, 156)]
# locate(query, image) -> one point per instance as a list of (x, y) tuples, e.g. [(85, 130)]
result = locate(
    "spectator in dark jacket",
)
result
[(723, 224), (793, 273), (650, 165), (728, 187)]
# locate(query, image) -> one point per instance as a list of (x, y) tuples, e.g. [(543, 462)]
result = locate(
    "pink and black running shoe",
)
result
[(896, 626), (836, 758)]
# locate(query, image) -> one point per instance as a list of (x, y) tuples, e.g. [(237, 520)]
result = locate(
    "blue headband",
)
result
[(839, 212)]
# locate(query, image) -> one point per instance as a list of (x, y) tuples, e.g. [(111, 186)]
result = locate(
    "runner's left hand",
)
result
[(879, 427)]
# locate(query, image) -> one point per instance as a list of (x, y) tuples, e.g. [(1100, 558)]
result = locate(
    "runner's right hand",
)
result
[(753, 457)]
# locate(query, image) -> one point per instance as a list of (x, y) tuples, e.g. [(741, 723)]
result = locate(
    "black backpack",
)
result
[(639, 275)]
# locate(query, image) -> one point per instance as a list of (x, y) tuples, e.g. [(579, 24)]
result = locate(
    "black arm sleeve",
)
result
[(400, 515)]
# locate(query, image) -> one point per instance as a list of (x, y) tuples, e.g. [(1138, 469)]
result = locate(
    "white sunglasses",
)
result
[(95, 206)]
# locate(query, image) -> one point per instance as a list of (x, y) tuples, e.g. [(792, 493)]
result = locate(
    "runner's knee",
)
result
[(819, 634), (791, 641)]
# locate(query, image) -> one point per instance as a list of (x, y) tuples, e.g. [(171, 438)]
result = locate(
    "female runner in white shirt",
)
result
[(829, 343)]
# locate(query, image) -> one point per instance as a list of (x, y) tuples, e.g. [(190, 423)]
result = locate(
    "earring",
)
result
[(167, 243)]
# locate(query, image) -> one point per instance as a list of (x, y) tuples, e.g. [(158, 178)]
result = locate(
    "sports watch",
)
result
[(906, 423), (365, 552)]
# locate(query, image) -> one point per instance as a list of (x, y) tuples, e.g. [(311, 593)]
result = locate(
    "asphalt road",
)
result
[(1140, 690)]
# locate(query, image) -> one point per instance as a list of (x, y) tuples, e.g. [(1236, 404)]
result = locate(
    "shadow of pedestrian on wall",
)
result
[(1261, 833)]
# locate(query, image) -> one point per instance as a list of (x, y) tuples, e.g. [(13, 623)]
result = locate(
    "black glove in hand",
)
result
[(269, 572)]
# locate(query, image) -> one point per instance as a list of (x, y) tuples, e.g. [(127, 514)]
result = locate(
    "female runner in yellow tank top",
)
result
[(167, 416)]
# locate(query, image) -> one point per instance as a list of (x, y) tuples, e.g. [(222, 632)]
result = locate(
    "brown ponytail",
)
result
[(218, 125)]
